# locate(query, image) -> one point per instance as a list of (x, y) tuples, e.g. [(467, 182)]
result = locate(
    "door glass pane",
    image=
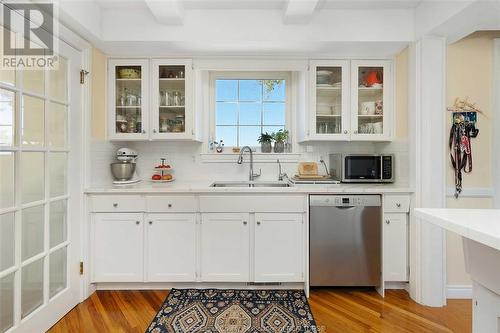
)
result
[(58, 125), (57, 271), (57, 220), (6, 302), (57, 174), (31, 287), (7, 117), (32, 115), (6, 179), (329, 100), (32, 232), (171, 99), (128, 99), (370, 100), (33, 80), (32, 171), (7, 233), (58, 81), (7, 76)]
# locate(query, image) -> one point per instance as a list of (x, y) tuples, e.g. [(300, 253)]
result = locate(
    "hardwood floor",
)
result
[(335, 310)]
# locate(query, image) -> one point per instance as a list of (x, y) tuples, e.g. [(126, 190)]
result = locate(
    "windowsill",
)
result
[(229, 157)]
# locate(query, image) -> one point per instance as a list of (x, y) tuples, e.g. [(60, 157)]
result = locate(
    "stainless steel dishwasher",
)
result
[(345, 240)]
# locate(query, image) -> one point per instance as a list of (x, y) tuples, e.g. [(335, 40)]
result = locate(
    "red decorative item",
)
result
[(372, 77)]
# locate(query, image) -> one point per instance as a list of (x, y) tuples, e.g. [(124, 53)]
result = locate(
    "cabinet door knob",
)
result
[(345, 132), (137, 222), (398, 205), (115, 205), (387, 221), (245, 222), (150, 222), (355, 132), (258, 222), (169, 205), (143, 131), (154, 131)]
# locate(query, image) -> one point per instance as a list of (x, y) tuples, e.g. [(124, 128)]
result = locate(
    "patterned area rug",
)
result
[(234, 311)]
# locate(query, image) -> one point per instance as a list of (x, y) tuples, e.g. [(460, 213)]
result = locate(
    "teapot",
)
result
[(372, 77)]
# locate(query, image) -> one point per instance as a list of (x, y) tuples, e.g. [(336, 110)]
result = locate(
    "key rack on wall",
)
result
[(463, 129)]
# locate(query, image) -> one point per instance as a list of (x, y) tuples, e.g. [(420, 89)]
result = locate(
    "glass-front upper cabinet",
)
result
[(371, 100), (329, 96), (128, 99), (172, 89)]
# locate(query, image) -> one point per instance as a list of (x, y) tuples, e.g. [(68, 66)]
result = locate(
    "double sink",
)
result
[(251, 184)]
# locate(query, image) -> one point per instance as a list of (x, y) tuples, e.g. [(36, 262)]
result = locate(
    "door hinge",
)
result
[(81, 267), (83, 73)]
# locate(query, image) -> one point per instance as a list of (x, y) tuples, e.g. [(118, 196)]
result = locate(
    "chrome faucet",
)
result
[(281, 175), (251, 175)]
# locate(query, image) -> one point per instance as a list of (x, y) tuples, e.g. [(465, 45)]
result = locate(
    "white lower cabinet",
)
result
[(225, 247), (117, 251), (395, 236), (170, 248), (279, 247)]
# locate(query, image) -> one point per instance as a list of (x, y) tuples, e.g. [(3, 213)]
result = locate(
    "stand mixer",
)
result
[(124, 172)]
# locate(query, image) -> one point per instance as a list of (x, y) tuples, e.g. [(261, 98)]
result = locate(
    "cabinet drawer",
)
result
[(396, 203), (117, 203), (174, 204), (251, 204)]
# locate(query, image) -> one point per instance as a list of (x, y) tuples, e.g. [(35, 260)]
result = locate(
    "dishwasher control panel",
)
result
[(345, 200)]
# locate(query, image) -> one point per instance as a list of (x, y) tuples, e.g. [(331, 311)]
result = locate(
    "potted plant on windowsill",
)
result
[(265, 140), (280, 138)]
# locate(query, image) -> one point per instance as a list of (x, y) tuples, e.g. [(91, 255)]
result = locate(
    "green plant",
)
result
[(265, 137), (280, 136)]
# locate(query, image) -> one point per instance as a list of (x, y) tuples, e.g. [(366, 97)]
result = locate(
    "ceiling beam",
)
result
[(168, 12), (299, 11)]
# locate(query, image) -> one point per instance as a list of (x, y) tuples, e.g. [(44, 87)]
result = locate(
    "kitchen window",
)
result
[(248, 104)]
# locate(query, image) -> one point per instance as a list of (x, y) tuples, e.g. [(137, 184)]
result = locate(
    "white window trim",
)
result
[(235, 75)]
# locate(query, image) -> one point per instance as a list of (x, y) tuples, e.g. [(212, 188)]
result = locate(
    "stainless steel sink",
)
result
[(250, 184)]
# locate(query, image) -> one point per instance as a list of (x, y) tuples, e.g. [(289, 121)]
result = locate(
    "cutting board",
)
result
[(311, 177), (308, 169)]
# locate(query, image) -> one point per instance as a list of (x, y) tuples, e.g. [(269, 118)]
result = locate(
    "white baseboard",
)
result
[(459, 291)]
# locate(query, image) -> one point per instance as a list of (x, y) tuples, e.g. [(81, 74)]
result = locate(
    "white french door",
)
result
[(40, 193)]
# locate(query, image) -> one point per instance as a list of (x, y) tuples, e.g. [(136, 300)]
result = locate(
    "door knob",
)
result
[(150, 222), (137, 222), (258, 222), (115, 205), (387, 221), (169, 205), (245, 222)]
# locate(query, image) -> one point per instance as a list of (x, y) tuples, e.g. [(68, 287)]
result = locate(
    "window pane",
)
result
[(228, 134), (6, 179), (249, 135), (57, 220), (32, 232), (57, 174), (58, 80), (272, 129), (32, 169), (32, 123), (6, 241), (6, 302), (58, 125), (274, 90), (57, 271), (250, 91), (7, 112), (226, 90), (227, 114), (274, 113), (250, 113), (31, 287), (33, 81)]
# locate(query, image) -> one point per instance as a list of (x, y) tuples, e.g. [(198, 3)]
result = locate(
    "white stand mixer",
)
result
[(124, 172)]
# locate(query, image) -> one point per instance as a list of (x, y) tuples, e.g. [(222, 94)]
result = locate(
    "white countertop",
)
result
[(480, 225), (204, 187)]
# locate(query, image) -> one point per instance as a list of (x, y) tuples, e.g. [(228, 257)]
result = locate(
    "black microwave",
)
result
[(362, 168)]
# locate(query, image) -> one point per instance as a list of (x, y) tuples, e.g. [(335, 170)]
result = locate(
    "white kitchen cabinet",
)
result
[(395, 243), (172, 115), (329, 116), (349, 101), (225, 247), (170, 247), (117, 247), (279, 247), (372, 105), (128, 99)]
